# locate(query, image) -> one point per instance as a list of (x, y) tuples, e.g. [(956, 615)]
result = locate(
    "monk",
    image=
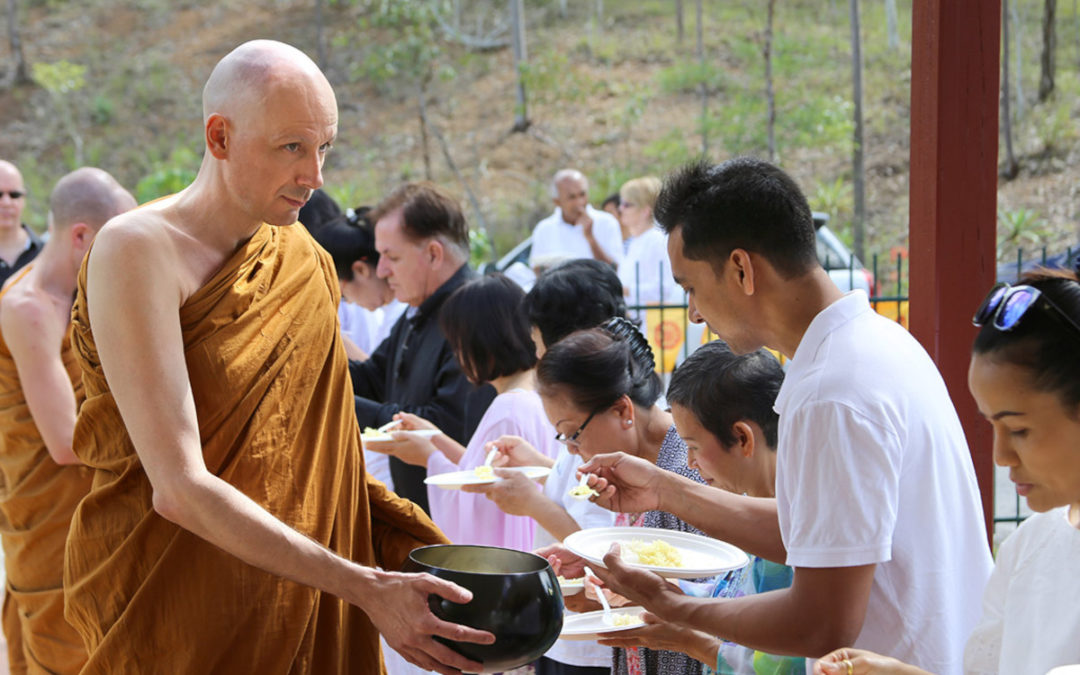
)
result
[(231, 527), (41, 481)]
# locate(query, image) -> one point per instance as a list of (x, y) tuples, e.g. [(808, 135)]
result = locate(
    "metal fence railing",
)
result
[(673, 337)]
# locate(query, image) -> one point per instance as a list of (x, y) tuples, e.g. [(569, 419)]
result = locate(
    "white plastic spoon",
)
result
[(608, 621)]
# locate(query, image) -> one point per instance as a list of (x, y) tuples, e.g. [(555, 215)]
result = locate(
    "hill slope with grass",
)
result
[(616, 95)]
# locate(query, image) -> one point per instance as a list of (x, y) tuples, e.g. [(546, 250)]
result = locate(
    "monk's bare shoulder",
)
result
[(138, 250), (27, 312)]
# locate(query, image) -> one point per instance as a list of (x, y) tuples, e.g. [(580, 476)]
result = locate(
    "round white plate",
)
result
[(701, 556), (455, 480), (572, 586), (422, 433), (591, 626)]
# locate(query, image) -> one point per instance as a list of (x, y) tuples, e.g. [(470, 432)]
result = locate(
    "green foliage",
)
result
[(60, 78), (101, 110), (168, 177), (550, 78), (687, 76), (481, 249), (1019, 227), (836, 199), (412, 57), (669, 150)]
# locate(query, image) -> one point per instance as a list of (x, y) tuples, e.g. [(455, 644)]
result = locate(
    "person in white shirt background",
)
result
[(575, 229), (1025, 377)]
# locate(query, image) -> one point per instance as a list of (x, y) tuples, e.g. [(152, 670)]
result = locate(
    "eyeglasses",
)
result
[(572, 439), (1005, 305), (14, 194)]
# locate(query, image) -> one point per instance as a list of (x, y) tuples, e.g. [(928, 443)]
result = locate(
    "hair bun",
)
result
[(624, 330)]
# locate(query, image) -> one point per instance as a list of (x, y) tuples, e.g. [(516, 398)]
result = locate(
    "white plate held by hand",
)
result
[(591, 626), (455, 480), (701, 556), (386, 437)]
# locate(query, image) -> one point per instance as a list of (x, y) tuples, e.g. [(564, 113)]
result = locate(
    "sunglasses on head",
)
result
[(1006, 305), (14, 194)]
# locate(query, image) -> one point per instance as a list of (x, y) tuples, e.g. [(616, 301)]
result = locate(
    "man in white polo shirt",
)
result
[(877, 507), (576, 229)]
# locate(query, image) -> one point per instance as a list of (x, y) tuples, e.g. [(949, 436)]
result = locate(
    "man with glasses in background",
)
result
[(18, 244)]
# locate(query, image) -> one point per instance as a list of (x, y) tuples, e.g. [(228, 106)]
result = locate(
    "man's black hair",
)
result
[(742, 203), (319, 210)]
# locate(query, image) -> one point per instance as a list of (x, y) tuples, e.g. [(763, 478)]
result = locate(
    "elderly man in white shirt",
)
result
[(575, 229)]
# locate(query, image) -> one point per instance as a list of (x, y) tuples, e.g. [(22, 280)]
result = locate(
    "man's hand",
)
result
[(585, 222), (625, 484), (661, 635), (515, 494), (516, 451), (565, 563), (402, 615)]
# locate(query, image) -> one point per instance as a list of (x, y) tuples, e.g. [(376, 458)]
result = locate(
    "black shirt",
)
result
[(414, 370), (32, 249)]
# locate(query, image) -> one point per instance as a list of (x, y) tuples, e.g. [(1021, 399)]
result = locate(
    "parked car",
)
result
[(843, 267)]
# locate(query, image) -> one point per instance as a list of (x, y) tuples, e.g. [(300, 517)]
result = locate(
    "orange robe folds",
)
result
[(275, 410), (37, 498)]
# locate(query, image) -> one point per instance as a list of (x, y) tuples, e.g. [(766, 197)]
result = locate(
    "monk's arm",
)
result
[(133, 301), (35, 338)]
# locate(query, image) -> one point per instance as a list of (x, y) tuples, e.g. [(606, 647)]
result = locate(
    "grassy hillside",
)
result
[(615, 96)]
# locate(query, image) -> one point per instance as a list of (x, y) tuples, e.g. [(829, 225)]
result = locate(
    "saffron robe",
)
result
[(275, 411), (37, 498)]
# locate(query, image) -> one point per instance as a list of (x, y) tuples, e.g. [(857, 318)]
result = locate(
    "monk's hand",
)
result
[(403, 617), (625, 484), (516, 451), (515, 494), (640, 587), (411, 422)]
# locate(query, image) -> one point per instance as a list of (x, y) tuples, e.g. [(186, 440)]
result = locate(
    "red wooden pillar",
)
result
[(954, 147)]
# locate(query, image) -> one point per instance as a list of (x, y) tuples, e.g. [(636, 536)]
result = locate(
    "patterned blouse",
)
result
[(672, 458)]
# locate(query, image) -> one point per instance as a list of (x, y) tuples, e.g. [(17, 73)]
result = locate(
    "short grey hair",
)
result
[(564, 174)]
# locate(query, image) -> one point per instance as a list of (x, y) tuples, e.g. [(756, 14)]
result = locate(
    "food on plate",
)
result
[(484, 471), (656, 553), (627, 620), (373, 434), (583, 492), (563, 581)]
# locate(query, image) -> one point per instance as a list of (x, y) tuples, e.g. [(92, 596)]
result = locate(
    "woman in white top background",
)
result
[(1025, 377)]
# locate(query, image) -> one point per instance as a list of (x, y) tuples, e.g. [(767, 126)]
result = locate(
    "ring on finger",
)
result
[(850, 667)]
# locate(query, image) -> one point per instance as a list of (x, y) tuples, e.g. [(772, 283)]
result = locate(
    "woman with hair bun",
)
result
[(1025, 377), (600, 390)]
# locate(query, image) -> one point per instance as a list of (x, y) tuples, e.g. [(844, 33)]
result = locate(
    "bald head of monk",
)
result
[(80, 204), (270, 117)]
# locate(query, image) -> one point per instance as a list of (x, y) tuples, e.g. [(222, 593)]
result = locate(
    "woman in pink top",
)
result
[(490, 336)]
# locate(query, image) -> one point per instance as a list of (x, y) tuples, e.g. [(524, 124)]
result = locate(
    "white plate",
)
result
[(422, 433), (591, 626), (701, 556), (455, 480), (572, 586)]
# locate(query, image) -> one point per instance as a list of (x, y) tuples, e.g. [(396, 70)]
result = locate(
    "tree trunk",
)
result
[(421, 102), (19, 73), (702, 88), (517, 34), (858, 225), (1011, 168), (891, 24), (770, 96), (320, 35), (1046, 76), (1017, 29), (680, 29), (562, 8)]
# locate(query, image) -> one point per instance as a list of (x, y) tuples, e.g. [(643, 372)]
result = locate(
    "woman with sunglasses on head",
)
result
[(600, 392), (1025, 377)]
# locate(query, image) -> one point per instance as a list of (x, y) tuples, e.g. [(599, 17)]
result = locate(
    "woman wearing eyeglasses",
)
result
[(1025, 377), (599, 390)]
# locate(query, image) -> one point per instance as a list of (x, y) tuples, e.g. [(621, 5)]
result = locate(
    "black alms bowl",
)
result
[(516, 597)]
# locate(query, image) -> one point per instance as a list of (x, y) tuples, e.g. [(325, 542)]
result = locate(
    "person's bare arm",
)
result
[(133, 303), (632, 485), (824, 608), (35, 337), (586, 224), (352, 350), (517, 495)]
